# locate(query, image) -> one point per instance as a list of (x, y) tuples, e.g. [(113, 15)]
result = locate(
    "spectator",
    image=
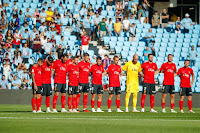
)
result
[(109, 5), (15, 8), (10, 54), (45, 6), (53, 43), (106, 62), (47, 47), (1, 38), (55, 12), (119, 7), (18, 59), (165, 19), (117, 27), (80, 52), (37, 22), (59, 20), (83, 10), (178, 25), (1, 53), (76, 10), (155, 20), (146, 6), (33, 34), (16, 83), (36, 56), (7, 44), (17, 39), (93, 59), (25, 53), (102, 52), (52, 5), (28, 15), (149, 37), (6, 59), (75, 29), (192, 55), (43, 15), (42, 27), (68, 14), (21, 17), (126, 25), (63, 42), (141, 14), (24, 85), (36, 13), (146, 52), (20, 68), (3, 83), (96, 25), (102, 28), (85, 41), (24, 76), (36, 43), (133, 8), (22, 29), (60, 51), (6, 69), (90, 10), (132, 33), (187, 22), (61, 9), (125, 6), (9, 36), (86, 23), (98, 11), (25, 37), (110, 27), (49, 15), (16, 51), (3, 23)]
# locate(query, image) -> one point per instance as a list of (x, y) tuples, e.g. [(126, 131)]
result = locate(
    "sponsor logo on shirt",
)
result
[(63, 68), (186, 75), (151, 70), (99, 72), (170, 71)]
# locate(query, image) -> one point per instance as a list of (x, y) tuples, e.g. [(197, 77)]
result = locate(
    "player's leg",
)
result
[(109, 102), (47, 90), (135, 102), (118, 92), (163, 102), (128, 94), (75, 92), (85, 97), (182, 94), (78, 97), (39, 99), (152, 95), (57, 89), (70, 96), (99, 101), (145, 91), (189, 95), (93, 92), (63, 98), (172, 98), (33, 101)]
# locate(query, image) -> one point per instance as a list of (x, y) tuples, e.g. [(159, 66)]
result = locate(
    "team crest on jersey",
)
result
[(153, 66), (189, 72)]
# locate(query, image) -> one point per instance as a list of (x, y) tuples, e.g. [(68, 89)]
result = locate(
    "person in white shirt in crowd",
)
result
[(102, 52), (25, 53), (18, 59), (6, 70), (187, 22), (48, 47), (83, 10), (109, 5), (192, 56), (15, 8), (132, 32), (10, 54), (178, 25), (126, 24)]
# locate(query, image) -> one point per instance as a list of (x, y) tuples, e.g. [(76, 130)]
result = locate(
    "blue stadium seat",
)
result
[(106, 39), (159, 30), (71, 1), (197, 26), (120, 39), (86, 2), (160, 79), (129, 58), (118, 49), (162, 55), (164, 39), (131, 53), (28, 1), (166, 35), (19, 5), (183, 54), (177, 49), (138, 30), (104, 12), (173, 40), (127, 43), (156, 44), (124, 54), (186, 45), (159, 35), (173, 35), (26, 5), (157, 40), (132, 48), (186, 40), (170, 44), (145, 30), (142, 44), (162, 49), (181, 35), (113, 38), (161, 58), (196, 31), (111, 13), (112, 44), (195, 68), (140, 48), (139, 53), (177, 88), (153, 30), (71, 43), (184, 49), (194, 40), (170, 49), (137, 39), (147, 26), (187, 35), (37, 1), (120, 43), (73, 38), (163, 44), (180, 40), (175, 59), (125, 48), (139, 26), (134, 44), (65, 21)]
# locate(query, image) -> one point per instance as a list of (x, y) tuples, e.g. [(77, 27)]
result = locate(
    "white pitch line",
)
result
[(54, 118)]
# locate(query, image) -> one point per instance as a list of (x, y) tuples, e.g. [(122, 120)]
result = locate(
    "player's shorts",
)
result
[(83, 87), (97, 89), (186, 91), (116, 90), (168, 89), (60, 87), (47, 89), (132, 88), (38, 91), (148, 89), (72, 90)]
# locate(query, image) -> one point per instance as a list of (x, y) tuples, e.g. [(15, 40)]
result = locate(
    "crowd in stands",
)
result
[(30, 30)]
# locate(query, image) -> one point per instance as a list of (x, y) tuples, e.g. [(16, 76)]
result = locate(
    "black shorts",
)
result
[(116, 90), (83, 87), (148, 89), (47, 89), (60, 88), (168, 89), (97, 89), (186, 91), (38, 91), (72, 90)]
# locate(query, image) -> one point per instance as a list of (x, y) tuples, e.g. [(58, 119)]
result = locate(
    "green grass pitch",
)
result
[(19, 119)]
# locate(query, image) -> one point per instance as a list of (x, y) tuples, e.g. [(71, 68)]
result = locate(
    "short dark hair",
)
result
[(99, 58), (75, 57), (170, 55), (40, 59), (50, 59), (38, 50), (187, 60), (115, 57), (86, 54), (149, 55)]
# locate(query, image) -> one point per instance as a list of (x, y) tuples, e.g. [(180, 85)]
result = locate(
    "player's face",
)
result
[(187, 63), (65, 59), (86, 58), (49, 63), (135, 59), (99, 62), (151, 58), (76, 61), (116, 61), (40, 63), (170, 58)]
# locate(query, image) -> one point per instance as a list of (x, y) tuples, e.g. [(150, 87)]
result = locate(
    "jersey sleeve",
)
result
[(108, 69), (32, 70), (143, 65), (102, 69), (175, 70), (156, 68), (192, 73), (124, 68), (91, 68), (161, 68), (179, 71), (139, 69)]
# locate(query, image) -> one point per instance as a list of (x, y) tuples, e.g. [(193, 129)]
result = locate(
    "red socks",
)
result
[(69, 102), (38, 102), (74, 102), (47, 102), (190, 104), (54, 101), (33, 103), (98, 104), (181, 105), (63, 101), (118, 103), (77, 100), (92, 103), (152, 101), (163, 105), (109, 103), (85, 97), (172, 105), (143, 100)]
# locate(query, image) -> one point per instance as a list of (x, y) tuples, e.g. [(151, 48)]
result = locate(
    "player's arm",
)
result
[(157, 71), (33, 78), (193, 77)]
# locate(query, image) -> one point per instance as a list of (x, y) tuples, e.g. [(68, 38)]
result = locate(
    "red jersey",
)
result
[(185, 74), (97, 74), (168, 70), (60, 72), (8, 45), (149, 70), (85, 40), (68, 62), (1, 37), (114, 72), (37, 71), (84, 70), (17, 41), (46, 73), (73, 74)]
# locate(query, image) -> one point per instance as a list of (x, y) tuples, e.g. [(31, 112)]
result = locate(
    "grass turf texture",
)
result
[(20, 119)]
